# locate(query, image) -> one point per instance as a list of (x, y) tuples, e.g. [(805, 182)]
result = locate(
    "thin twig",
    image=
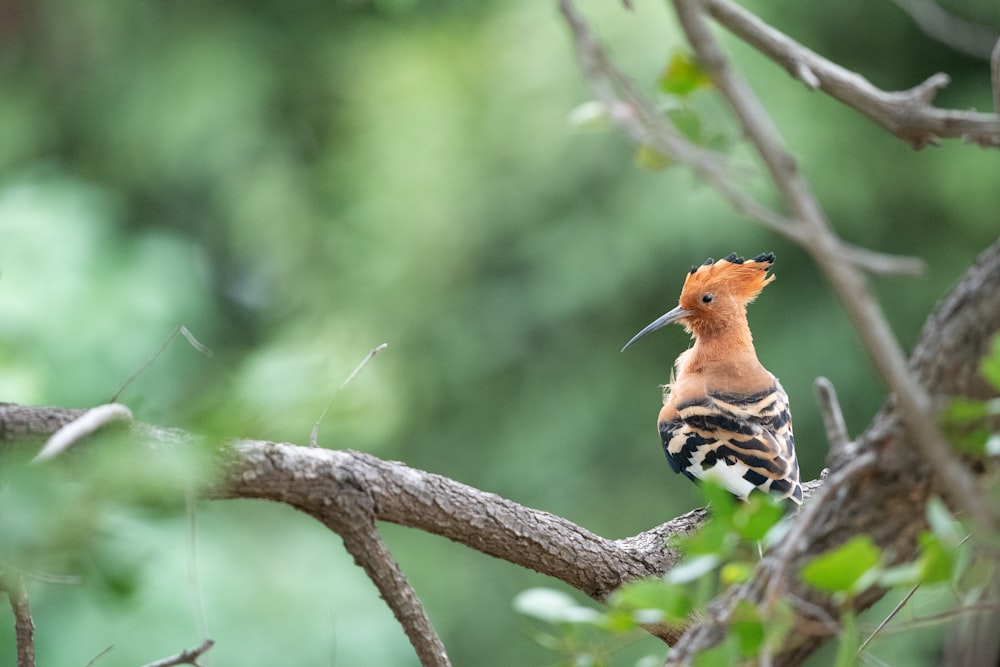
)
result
[(934, 619), (885, 621), (639, 118), (314, 434), (188, 336), (93, 661), (821, 242), (906, 114), (81, 427), (833, 417), (194, 586), (24, 627), (186, 657)]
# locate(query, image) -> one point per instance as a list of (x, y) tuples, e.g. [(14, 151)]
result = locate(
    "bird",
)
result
[(724, 415)]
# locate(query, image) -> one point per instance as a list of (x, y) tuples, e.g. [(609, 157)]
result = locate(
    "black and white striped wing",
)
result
[(744, 441)]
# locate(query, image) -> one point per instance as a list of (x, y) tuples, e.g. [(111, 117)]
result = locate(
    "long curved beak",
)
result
[(674, 315)]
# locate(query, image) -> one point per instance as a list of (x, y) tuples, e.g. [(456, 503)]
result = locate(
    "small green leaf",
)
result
[(714, 537), (943, 523), (961, 410), (748, 629), (691, 569), (554, 606), (651, 159), (757, 516), (722, 503), (840, 569), (590, 117), (990, 366), (673, 601), (682, 75), (937, 563), (735, 573), (725, 654)]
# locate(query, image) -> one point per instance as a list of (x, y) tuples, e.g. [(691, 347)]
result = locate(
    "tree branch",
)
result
[(908, 114), (643, 123), (24, 627)]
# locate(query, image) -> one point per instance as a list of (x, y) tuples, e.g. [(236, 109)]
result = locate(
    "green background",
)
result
[(297, 182)]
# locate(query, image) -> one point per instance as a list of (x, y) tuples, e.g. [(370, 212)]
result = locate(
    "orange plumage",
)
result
[(724, 415)]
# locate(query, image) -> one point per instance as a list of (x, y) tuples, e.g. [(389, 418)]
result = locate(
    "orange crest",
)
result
[(734, 277)]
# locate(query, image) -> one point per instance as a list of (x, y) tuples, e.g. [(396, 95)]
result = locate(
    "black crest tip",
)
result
[(733, 258), (765, 257), (708, 262), (694, 269)]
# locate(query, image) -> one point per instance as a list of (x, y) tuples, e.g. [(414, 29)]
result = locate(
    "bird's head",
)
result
[(715, 295)]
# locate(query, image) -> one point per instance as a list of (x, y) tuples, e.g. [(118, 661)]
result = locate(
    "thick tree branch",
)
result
[(908, 114)]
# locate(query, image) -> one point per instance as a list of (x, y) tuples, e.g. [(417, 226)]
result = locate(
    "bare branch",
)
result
[(821, 242), (180, 329), (833, 418), (906, 114), (186, 657), (24, 627), (643, 123), (354, 521)]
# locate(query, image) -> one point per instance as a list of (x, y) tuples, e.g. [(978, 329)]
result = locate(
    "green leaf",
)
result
[(672, 600), (682, 75), (943, 523), (651, 159), (937, 563), (590, 117), (748, 629), (735, 573), (722, 503), (692, 568), (990, 366), (554, 606), (714, 537), (961, 410), (754, 518), (840, 569), (725, 654)]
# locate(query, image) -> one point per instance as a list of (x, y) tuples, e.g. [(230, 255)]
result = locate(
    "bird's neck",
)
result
[(727, 350)]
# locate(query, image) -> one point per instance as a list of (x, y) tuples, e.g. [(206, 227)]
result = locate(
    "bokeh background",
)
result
[(296, 182)]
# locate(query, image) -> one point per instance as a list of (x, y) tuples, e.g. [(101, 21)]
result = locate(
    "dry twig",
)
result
[(908, 114), (186, 657)]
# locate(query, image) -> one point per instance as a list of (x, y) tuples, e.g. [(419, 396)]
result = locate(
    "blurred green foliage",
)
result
[(298, 182)]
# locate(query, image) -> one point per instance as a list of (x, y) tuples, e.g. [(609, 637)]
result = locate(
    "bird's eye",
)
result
[(707, 298)]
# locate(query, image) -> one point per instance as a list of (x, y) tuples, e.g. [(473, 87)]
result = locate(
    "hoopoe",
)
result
[(724, 415)]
